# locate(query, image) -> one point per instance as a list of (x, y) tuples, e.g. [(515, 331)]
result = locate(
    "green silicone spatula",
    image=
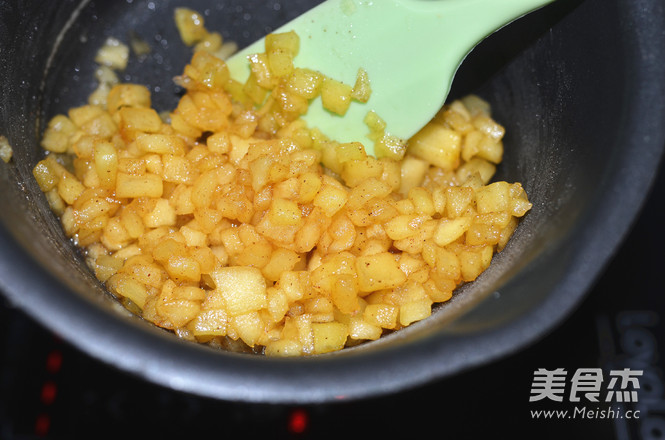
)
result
[(410, 49)]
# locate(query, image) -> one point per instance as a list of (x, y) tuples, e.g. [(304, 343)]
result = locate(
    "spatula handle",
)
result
[(479, 17)]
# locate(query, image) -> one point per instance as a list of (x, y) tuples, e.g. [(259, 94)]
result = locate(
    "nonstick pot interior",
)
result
[(578, 85)]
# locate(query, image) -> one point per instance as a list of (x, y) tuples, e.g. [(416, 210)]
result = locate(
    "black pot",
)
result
[(578, 85)]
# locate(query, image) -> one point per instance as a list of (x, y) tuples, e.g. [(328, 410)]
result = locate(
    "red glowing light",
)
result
[(298, 421), (42, 425), (49, 390), (54, 361)]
